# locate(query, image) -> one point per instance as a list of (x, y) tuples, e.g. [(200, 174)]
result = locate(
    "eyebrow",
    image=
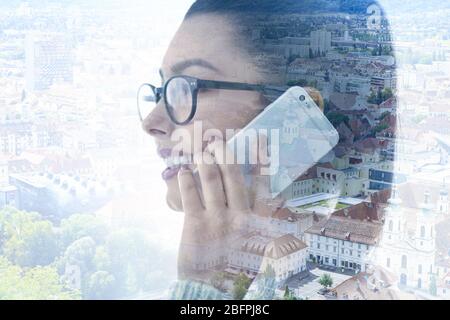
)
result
[(179, 67)]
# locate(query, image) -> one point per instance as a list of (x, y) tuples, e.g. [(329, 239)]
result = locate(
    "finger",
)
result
[(211, 181), (232, 177), (190, 197)]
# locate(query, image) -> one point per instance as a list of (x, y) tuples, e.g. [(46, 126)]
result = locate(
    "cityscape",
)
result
[(369, 221)]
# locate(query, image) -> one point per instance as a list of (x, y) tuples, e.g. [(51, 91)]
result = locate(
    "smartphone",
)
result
[(298, 136), (296, 133)]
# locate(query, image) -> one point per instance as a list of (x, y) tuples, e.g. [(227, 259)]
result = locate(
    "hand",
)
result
[(214, 214)]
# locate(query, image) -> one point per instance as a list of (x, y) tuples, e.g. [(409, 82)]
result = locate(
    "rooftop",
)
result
[(269, 247), (343, 228)]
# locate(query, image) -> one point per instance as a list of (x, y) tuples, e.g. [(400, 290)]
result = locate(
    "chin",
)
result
[(173, 199), (174, 205)]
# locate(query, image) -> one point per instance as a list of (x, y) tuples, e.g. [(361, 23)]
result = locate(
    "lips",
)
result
[(174, 162)]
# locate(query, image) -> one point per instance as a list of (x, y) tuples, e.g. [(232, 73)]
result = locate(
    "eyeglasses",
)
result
[(180, 94)]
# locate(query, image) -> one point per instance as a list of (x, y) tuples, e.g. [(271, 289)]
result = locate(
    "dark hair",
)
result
[(280, 6), (252, 20)]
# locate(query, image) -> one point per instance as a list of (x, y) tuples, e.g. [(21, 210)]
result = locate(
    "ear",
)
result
[(316, 96)]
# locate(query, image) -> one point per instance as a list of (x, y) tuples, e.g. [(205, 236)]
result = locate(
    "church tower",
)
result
[(394, 220), (425, 243), (425, 223), (442, 203)]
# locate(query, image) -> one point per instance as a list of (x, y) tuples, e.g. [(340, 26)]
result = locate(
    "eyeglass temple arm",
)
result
[(266, 89)]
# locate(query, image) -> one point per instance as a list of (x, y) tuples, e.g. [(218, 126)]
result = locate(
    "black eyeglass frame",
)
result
[(196, 85)]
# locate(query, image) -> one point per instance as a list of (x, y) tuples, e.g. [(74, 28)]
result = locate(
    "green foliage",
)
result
[(384, 115), (78, 226), (113, 263), (380, 96), (288, 294), (218, 280), (38, 283), (336, 118), (326, 281), (101, 285), (240, 287), (26, 239), (378, 128), (81, 253), (102, 260)]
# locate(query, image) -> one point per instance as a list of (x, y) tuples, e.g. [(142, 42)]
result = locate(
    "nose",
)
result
[(157, 123)]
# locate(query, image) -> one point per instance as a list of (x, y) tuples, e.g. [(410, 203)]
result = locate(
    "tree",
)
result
[(81, 253), (326, 281), (240, 287), (27, 240), (78, 226), (386, 94), (101, 285), (372, 98), (384, 115), (288, 294), (336, 118), (102, 261), (218, 281), (38, 283), (378, 128)]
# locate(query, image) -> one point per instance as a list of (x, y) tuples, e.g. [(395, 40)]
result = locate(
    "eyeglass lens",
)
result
[(179, 99)]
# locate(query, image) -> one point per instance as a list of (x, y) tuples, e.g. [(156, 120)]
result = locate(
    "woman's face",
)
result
[(204, 47)]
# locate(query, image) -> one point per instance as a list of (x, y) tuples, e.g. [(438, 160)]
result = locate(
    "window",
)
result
[(391, 225), (404, 261), (388, 262), (422, 232), (419, 269)]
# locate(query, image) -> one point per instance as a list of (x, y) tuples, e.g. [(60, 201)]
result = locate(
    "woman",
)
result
[(253, 45)]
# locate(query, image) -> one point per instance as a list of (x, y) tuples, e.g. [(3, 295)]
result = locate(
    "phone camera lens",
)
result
[(302, 98)]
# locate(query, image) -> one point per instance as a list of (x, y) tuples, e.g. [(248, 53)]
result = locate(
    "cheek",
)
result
[(230, 110)]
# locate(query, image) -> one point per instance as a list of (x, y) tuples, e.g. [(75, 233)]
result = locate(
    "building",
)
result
[(408, 246), (8, 193), (388, 80), (375, 284), (344, 241), (56, 196), (320, 42), (254, 252), (48, 59)]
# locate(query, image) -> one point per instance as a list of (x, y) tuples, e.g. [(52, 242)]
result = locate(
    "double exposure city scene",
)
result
[(224, 150)]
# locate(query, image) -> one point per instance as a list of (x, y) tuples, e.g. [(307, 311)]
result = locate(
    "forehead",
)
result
[(211, 38)]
